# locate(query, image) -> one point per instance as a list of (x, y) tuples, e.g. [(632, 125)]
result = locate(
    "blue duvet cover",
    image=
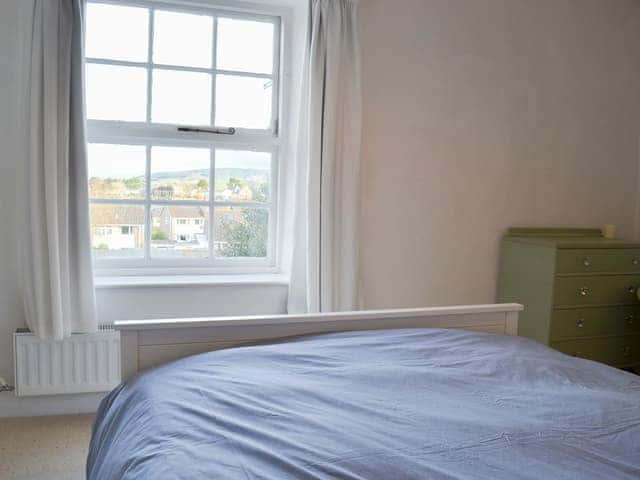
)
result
[(387, 404)]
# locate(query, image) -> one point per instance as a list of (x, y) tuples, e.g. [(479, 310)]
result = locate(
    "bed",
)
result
[(387, 403)]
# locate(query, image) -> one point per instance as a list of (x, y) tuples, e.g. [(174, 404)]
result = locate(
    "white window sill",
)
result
[(267, 279)]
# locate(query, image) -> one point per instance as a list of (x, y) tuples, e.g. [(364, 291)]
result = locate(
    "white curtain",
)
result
[(324, 269), (59, 295)]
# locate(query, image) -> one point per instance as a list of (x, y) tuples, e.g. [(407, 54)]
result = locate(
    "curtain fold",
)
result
[(56, 252), (324, 265)]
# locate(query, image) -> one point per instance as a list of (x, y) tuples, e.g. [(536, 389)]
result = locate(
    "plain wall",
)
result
[(485, 114), (13, 17)]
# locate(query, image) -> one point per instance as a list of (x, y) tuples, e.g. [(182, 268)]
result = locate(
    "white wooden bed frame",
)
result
[(146, 343)]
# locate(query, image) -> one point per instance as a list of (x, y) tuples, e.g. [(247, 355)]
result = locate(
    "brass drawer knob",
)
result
[(629, 320), (580, 323), (584, 291), (626, 351), (635, 261), (587, 262), (631, 289)]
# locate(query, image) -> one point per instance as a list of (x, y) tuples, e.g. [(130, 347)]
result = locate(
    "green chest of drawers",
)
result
[(579, 291)]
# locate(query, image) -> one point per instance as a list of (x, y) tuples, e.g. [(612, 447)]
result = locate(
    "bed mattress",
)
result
[(385, 404)]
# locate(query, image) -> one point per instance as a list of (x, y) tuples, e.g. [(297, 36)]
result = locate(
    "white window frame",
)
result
[(150, 134)]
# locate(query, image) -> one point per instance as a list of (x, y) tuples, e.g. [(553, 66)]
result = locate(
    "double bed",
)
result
[(413, 402)]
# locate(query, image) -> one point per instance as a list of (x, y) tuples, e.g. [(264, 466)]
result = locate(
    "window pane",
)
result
[(116, 93), (179, 231), (182, 39), (241, 232), (245, 45), (243, 102), (181, 97), (242, 176), (116, 32), (180, 173), (116, 171), (117, 231)]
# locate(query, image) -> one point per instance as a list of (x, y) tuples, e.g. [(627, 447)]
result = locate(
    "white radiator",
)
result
[(82, 363)]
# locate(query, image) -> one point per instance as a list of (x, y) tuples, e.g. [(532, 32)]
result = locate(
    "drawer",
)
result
[(596, 290), (617, 351), (592, 260), (594, 321)]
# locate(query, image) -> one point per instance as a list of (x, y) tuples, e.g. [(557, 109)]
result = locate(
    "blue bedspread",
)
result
[(392, 404)]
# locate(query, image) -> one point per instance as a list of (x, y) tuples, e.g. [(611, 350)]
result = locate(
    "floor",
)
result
[(39, 448)]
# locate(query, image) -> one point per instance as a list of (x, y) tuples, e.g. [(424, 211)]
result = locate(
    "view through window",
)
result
[(160, 196)]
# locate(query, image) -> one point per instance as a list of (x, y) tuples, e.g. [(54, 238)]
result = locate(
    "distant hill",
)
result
[(222, 174)]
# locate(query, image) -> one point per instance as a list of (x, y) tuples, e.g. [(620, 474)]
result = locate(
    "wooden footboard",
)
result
[(146, 343)]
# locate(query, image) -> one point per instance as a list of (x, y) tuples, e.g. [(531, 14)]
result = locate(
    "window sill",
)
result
[(270, 279)]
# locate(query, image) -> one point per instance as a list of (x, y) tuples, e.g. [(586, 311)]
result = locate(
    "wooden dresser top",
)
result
[(566, 238)]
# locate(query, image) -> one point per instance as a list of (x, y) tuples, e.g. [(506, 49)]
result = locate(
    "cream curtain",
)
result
[(324, 267), (59, 295)]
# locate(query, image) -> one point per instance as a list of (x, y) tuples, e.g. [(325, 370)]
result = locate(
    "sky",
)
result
[(179, 38), (184, 40), (125, 161)]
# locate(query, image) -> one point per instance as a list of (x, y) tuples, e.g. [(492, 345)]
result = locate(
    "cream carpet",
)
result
[(39, 448)]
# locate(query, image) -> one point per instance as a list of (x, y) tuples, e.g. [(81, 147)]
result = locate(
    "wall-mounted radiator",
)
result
[(88, 362)]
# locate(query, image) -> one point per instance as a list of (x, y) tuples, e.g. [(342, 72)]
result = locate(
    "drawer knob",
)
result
[(631, 289), (587, 262), (577, 354), (635, 261), (584, 291), (580, 323), (626, 351), (629, 320)]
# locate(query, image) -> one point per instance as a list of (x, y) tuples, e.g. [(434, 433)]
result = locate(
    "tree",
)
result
[(203, 184), (259, 192), (248, 237), (133, 183), (234, 183), (158, 235)]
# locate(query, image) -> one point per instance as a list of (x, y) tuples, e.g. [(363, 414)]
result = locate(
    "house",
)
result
[(181, 223), (121, 227), (236, 193), (117, 227), (163, 192)]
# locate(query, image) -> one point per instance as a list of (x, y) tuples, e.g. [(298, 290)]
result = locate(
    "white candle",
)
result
[(609, 231)]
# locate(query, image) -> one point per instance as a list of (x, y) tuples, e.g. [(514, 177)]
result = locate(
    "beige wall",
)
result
[(484, 114)]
